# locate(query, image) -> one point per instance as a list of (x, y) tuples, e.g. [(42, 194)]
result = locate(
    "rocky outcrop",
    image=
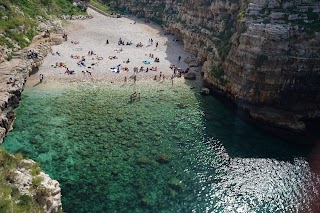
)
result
[(13, 75), (35, 183), (263, 55)]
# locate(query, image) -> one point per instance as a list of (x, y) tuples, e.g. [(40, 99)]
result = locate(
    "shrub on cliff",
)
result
[(19, 18), (10, 198)]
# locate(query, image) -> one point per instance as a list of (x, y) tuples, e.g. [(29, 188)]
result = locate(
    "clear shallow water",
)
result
[(173, 151)]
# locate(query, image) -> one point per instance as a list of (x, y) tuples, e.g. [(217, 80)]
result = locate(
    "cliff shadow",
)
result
[(223, 121), (227, 123)]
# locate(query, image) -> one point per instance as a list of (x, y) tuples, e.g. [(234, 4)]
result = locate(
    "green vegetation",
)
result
[(10, 198), (35, 169), (217, 71), (9, 57), (242, 14), (224, 44), (266, 20), (18, 17), (101, 6), (311, 25)]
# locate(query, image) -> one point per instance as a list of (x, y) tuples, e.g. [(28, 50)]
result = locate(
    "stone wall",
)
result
[(261, 54)]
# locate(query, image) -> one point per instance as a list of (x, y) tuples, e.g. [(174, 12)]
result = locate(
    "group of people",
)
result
[(32, 54), (121, 42), (178, 71), (135, 96), (161, 76), (12, 82), (139, 44), (69, 72), (59, 64)]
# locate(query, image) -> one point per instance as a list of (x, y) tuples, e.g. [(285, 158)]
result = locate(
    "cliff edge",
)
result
[(262, 55)]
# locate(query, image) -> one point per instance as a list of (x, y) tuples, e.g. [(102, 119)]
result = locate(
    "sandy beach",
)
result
[(92, 35)]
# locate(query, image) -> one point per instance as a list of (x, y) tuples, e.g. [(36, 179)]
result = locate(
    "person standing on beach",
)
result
[(157, 45), (179, 58), (125, 79), (134, 79), (107, 42), (41, 78)]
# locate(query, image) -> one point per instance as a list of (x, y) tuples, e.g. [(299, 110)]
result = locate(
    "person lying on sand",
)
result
[(69, 72), (125, 69), (113, 57), (75, 56), (154, 68), (99, 58)]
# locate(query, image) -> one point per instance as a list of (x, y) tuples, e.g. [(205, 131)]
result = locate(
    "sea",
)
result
[(171, 150)]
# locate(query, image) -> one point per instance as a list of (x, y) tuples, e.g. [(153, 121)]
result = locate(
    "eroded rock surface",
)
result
[(13, 75), (263, 55), (47, 193)]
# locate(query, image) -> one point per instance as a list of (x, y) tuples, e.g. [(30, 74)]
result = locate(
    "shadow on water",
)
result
[(226, 123)]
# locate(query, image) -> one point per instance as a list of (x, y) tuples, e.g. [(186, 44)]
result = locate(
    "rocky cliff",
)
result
[(25, 188), (263, 55), (13, 75)]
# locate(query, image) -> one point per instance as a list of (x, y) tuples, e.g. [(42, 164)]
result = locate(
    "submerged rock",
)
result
[(182, 105), (163, 158), (144, 160), (204, 91), (176, 184), (190, 76), (119, 118)]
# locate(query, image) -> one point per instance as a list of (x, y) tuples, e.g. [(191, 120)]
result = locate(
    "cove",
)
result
[(172, 151)]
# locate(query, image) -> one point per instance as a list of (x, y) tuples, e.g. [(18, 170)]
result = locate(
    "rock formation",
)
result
[(46, 193), (13, 75), (262, 55)]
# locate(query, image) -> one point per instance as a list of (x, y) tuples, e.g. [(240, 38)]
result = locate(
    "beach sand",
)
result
[(91, 34)]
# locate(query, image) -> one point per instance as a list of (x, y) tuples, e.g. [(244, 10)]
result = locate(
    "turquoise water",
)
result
[(172, 151)]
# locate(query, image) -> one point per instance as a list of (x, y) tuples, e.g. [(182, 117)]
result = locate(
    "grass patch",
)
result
[(23, 13), (224, 44), (103, 7), (9, 57), (217, 72)]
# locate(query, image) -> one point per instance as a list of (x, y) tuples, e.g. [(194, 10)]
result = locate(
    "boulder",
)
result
[(204, 91), (190, 76), (176, 184), (163, 158)]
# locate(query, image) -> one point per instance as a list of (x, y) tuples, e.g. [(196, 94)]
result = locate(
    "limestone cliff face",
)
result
[(263, 55), (13, 75), (46, 192)]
